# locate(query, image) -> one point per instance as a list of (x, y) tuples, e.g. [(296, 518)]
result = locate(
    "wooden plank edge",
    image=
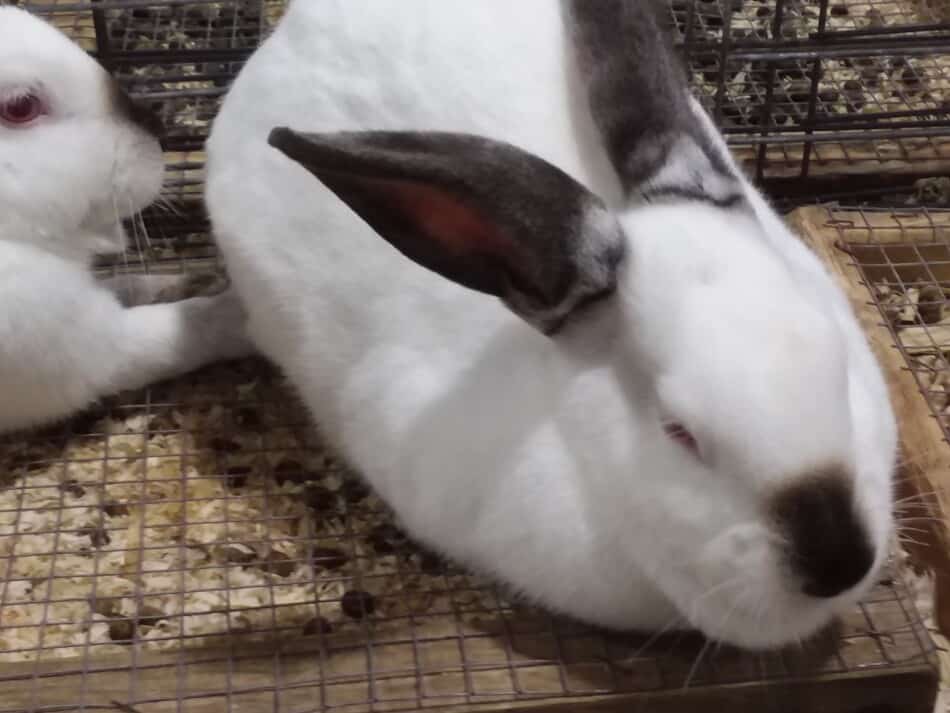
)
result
[(909, 691), (910, 688), (776, 168), (924, 469)]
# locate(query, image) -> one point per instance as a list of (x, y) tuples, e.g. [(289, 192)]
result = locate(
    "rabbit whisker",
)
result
[(696, 664), (137, 233), (657, 635)]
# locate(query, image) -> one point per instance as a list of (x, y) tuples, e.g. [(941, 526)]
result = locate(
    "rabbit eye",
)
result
[(21, 110), (678, 433)]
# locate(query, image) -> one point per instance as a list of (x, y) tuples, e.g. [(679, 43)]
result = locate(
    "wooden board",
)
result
[(924, 157), (925, 466), (195, 683)]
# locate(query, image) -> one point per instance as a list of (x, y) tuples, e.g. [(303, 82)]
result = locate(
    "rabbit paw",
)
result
[(223, 322)]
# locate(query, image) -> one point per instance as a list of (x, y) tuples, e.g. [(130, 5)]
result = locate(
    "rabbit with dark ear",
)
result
[(76, 157), (513, 271)]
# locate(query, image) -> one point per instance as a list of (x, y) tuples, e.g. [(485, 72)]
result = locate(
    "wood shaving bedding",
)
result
[(193, 520), (214, 517)]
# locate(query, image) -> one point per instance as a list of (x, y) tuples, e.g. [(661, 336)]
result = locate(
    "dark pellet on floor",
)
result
[(236, 476), (98, 537), (122, 631), (357, 604), (278, 563), (317, 625), (319, 499), (115, 509), (328, 558), (73, 488)]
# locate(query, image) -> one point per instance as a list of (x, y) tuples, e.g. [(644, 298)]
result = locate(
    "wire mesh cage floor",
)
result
[(194, 547)]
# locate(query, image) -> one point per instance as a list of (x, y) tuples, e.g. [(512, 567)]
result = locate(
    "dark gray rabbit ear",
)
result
[(637, 89), (482, 213)]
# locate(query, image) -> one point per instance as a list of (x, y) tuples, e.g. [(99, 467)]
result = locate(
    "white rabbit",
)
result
[(76, 157), (669, 418)]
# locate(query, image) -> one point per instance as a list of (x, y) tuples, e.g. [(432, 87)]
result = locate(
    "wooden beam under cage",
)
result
[(310, 675)]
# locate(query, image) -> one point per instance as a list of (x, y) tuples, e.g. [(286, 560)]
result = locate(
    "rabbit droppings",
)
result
[(669, 418), (76, 158)]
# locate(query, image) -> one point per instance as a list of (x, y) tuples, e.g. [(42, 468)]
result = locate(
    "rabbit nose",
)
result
[(829, 546), (830, 576)]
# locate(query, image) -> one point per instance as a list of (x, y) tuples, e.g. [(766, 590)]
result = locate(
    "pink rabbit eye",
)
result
[(21, 110), (678, 433)]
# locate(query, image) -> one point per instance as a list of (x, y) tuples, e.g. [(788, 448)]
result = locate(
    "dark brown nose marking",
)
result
[(135, 112), (829, 546)]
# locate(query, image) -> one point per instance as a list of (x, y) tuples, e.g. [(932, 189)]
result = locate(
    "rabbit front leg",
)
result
[(161, 341), (66, 342)]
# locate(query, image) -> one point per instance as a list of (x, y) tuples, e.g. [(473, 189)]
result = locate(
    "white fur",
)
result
[(544, 461), (66, 182)]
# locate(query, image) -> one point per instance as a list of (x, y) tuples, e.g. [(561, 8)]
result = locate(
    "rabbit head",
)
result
[(751, 397), (782, 500), (77, 155)]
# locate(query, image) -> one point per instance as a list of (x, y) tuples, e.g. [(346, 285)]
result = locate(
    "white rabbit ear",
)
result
[(484, 214)]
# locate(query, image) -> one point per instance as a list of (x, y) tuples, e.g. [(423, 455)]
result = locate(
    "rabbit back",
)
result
[(328, 273)]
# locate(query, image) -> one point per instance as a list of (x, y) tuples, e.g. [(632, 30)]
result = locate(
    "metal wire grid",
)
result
[(203, 520), (869, 85), (146, 30), (174, 233), (905, 259), (883, 91), (750, 20), (799, 86)]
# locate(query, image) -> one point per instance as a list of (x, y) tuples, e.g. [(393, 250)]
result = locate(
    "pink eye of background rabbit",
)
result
[(22, 110), (681, 435)]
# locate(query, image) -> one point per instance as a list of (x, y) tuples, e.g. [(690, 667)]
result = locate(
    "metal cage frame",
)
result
[(790, 39)]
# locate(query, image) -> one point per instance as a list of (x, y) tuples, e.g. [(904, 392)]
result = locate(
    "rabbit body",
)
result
[(68, 177), (543, 461)]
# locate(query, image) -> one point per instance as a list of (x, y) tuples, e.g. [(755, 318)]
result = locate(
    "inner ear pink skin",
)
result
[(678, 433), (447, 220)]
